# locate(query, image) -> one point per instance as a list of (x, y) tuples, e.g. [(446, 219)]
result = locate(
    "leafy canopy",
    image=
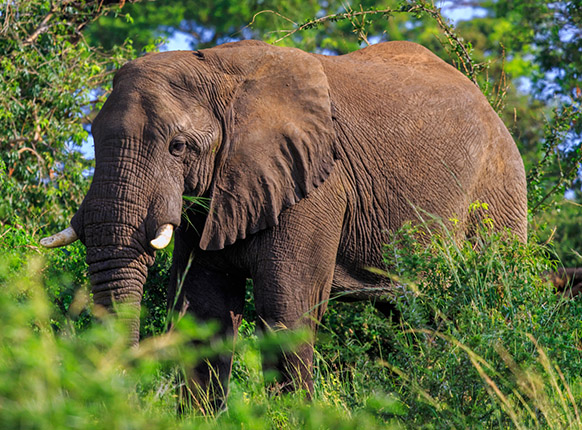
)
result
[(51, 79)]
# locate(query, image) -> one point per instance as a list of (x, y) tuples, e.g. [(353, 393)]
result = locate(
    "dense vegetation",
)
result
[(482, 341)]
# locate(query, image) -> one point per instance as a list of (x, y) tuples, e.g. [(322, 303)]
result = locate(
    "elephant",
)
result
[(567, 280), (309, 162)]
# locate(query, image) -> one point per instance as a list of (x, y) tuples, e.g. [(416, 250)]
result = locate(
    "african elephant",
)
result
[(309, 162), (567, 281)]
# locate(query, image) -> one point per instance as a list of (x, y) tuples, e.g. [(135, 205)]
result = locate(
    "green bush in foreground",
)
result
[(482, 342), (55, 375)]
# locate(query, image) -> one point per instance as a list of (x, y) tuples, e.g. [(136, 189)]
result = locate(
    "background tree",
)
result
[(48, 76)]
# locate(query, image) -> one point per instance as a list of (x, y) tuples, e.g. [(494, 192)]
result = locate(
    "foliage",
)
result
[(212, 23), (550, 33), (482, 338), (481, 341), (561, 228), (48, 74), (67, 285), (208, 22), (66, 379), (154, 307), (559, 165), (65, 272), (90, 380)]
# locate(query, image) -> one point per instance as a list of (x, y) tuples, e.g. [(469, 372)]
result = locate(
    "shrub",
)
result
[(56, 374), (483, 340)]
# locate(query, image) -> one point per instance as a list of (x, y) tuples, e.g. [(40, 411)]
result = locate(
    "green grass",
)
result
[(482, 342)]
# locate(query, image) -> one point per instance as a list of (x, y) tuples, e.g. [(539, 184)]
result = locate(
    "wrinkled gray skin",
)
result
[(309, 161)]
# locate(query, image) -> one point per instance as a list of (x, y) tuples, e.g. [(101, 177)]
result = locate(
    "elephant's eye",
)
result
[(177, 147)]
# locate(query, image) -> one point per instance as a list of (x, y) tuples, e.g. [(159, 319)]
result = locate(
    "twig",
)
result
[(459, 47), (359, 26), (43, 26), (17, 140), (40, 29), (21, 150), (551, 236), (467, 63), (559, 184), (268, 11), (335, 17)]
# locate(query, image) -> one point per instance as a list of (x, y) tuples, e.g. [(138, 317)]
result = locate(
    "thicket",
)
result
[(482, 340)]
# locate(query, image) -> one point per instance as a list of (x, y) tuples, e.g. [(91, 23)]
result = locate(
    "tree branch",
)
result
[(421, 6), (40, 29), (43, 26), (334, 17)]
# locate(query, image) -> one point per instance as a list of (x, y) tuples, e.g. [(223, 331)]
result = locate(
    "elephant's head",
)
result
[(246, 124)]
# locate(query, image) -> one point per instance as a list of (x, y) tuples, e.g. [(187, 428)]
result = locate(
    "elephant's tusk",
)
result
[(65, 237), (163, 236)]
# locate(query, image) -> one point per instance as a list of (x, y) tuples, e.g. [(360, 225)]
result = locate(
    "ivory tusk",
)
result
[(63, 238), (163, 236)]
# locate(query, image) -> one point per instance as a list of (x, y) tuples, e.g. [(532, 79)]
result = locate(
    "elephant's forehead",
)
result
[(141, 103), (176, 68), (168, 57), (160, 62), (163, 84)]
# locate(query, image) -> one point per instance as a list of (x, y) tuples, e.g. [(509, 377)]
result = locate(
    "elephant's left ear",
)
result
[(279, 144)]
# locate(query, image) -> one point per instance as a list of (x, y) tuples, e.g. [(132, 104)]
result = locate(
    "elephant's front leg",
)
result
[(292, 279), (210, 296)]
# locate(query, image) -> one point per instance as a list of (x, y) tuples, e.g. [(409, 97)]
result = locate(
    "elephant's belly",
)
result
[(359, 285)]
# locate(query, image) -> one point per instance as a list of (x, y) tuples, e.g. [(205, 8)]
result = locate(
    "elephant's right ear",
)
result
[(279, 142)]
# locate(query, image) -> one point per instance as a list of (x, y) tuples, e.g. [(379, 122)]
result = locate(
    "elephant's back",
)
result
[(398, 60), (401, 53), (417, 139), (412, 129), (402, 73)]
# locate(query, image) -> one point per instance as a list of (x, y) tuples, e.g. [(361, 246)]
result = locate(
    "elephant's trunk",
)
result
[(117, 284), (114, 232), (118, 270), (121, 214)]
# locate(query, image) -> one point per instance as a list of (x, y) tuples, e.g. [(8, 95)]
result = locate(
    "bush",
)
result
[(64, 273), (67, 283), (54, 379), (56, 374), (483, 340)]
